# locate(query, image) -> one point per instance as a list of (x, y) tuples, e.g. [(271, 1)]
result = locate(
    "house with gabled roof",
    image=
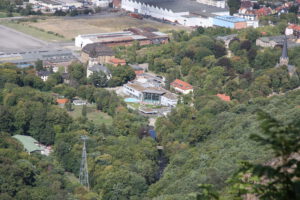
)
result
[(181, 86), (224, 97)]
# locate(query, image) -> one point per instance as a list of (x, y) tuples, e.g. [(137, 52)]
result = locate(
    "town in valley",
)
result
[(149, 99)]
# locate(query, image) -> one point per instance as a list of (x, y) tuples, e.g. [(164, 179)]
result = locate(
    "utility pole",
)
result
[(84, 174)]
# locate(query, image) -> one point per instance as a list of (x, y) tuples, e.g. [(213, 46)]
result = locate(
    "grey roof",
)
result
[(54, 55), (154, 91), (279, 39), (98, 68), (184, 6), (284, 49), (97, 49), (44, 73)]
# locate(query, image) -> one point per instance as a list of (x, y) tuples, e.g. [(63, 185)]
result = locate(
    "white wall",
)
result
[(132, 92), (220, 4), (82, 41), (183, 91), (289, 31), (161, 13), (168, 102)]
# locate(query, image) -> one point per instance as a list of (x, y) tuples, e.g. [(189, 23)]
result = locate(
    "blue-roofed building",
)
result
[(230, 22)]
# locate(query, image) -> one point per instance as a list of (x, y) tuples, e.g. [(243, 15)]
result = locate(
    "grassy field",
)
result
[(4, 14), (35, 32), (70, 28), (94, 115)]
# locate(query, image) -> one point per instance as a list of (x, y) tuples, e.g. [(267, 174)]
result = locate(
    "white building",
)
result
[(53, 5), (101, 3), (150, 95), (216, 3), (251, 19), (187, 13), (182, 87)]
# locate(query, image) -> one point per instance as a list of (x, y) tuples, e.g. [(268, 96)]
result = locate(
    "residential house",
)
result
[(224, 97), (44, 75), (98, 68), (62, 101), (293, 29), (181, 86), (79, 102)]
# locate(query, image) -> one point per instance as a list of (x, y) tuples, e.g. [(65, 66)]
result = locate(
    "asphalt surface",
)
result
[(12, 40)]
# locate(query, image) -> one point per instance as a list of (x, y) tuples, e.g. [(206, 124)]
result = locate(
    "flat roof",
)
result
[(58, 55), (230, 18)]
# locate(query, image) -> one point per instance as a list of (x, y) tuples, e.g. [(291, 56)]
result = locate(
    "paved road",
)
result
[(12, 40)]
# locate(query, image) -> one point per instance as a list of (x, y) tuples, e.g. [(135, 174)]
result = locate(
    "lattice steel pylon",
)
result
[(84, 174)]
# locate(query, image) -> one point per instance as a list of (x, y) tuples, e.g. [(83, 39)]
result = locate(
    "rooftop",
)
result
[(294, 27), (62, 101), (223, 97), (29, 143), (182, 85), (230, 19), (97, 49), (117, 61), (57, 55), (190, 6)]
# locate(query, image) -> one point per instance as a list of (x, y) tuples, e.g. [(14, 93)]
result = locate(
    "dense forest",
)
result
[(209, 145)]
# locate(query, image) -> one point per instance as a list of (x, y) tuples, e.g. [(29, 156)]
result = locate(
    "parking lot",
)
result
[(12, 41)]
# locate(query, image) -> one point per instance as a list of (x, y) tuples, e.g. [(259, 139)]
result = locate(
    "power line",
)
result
[(84, 174)]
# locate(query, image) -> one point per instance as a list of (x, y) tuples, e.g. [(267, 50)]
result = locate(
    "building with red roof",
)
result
[(224, 97), (264, 11), (117, 61), (293, 29), (62, 101), (181, 86)]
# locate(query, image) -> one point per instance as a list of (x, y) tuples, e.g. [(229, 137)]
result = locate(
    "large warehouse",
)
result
[(145, 36), (187, 13)]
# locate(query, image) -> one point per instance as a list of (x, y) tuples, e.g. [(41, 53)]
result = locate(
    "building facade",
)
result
[(187, 13)]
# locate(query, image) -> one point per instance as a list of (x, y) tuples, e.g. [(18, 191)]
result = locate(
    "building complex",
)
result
[(144, 36)]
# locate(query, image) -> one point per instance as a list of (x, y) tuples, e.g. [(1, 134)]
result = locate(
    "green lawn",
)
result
[(4, 14), (134, 105), (137, 105), (93, 114), (22, 27)]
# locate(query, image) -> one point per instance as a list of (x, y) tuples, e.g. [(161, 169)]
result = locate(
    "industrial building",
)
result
[(53, 5), (50, 58), (230, 22), (144, 36), (187, 13)]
